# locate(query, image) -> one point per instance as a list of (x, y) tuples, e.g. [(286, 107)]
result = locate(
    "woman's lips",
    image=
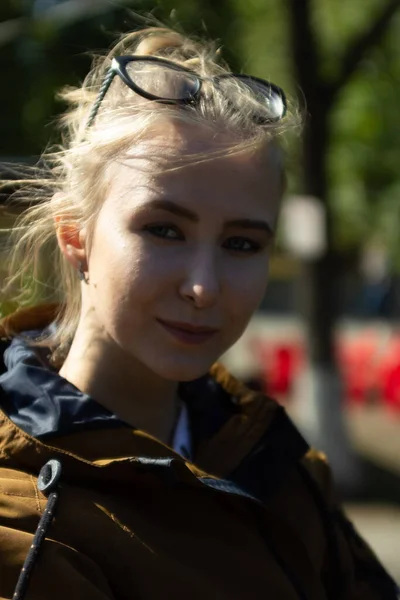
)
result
[(188, 334)]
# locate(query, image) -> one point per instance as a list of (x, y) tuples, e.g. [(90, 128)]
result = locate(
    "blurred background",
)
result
[(326, 341)]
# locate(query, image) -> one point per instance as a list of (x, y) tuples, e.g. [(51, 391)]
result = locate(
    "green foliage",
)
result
[(363, 151)]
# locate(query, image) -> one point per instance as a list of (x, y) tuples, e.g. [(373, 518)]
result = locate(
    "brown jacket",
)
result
[(253, 518)]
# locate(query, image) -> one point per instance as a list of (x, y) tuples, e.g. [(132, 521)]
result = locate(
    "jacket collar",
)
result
[(251, 442)]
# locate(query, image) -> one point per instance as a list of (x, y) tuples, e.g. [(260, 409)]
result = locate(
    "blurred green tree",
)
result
[(332, 52)]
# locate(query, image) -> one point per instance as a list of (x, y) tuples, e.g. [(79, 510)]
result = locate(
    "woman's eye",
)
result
[(241, 244), (164, 231)]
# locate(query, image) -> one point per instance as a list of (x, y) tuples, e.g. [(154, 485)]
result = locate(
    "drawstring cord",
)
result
[(48, 479)]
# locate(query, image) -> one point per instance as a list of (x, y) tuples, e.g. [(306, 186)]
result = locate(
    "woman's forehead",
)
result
[(171, 140), (170, 145), (159, 166)]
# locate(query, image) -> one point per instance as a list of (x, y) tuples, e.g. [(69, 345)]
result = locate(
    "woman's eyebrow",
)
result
[(181, 211), (251, 224), (174, 208)]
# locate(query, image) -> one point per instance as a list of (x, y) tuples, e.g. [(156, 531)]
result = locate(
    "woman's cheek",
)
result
[(126, 259), (249, 283)]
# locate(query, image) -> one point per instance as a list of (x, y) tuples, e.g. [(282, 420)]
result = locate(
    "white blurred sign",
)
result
[(303, 227)]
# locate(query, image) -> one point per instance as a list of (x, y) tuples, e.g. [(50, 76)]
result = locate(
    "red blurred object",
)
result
[(357, 365), (280, 362), (389, 375), (369, 364)]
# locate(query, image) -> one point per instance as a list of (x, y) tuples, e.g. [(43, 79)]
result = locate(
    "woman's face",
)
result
[(178, 261)]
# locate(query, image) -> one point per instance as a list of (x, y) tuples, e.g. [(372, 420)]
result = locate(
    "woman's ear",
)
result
[(71, 239)]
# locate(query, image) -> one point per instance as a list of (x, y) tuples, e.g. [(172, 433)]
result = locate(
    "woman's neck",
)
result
[(125, 387)]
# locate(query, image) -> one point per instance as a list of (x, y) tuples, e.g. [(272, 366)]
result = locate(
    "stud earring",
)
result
[(81, 273)]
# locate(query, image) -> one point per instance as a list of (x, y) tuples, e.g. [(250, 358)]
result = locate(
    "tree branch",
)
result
[(304, 50), (359, 47)]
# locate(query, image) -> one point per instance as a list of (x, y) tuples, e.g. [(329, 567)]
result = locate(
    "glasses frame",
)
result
[(118, 67)]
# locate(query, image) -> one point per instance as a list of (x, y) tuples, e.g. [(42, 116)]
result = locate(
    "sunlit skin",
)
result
[(190, 245)]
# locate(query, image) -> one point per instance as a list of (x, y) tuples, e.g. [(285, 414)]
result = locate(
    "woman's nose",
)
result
[(201, 286)]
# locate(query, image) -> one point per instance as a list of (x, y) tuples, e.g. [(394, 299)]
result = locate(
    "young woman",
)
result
[(132, 466)]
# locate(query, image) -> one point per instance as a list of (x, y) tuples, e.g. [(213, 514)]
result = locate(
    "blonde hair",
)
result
[(69, 180)]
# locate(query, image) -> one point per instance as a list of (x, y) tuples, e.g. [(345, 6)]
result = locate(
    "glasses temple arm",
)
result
[(102, 92)]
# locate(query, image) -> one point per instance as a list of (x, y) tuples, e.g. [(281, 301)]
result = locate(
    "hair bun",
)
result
[(158, 41)]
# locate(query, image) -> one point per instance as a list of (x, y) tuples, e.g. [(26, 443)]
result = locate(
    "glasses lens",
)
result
[(269, 100), (163, 81)]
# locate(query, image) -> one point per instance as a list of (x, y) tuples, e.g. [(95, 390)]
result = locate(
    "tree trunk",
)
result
[(321, 279), (321, 390)]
